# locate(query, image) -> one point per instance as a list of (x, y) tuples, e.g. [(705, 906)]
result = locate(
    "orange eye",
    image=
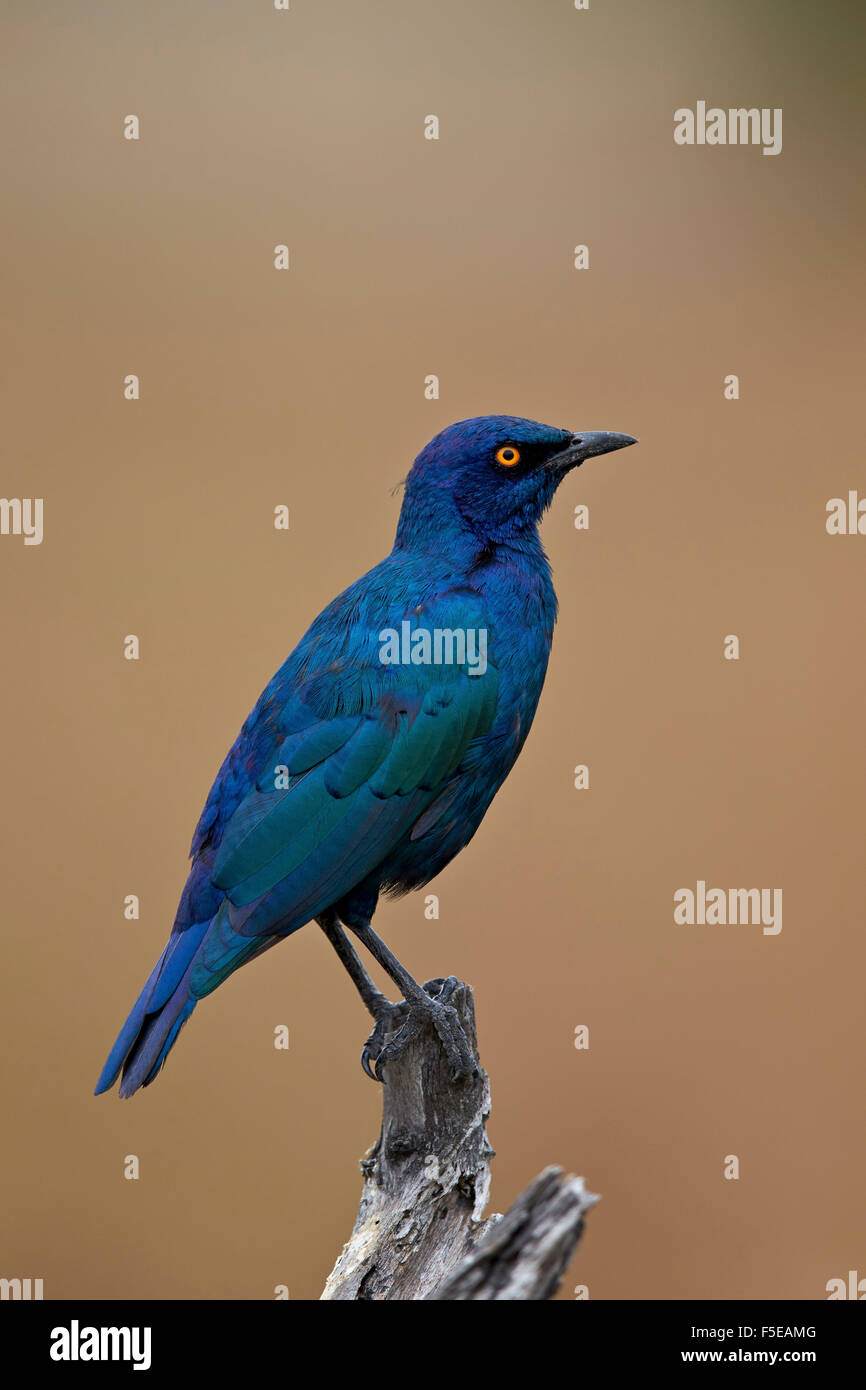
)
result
[(508, 455)]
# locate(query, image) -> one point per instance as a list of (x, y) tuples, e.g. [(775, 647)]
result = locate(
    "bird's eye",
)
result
[(508, 455)]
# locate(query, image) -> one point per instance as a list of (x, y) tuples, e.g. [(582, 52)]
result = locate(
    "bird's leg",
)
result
[(374, 1000), (388, 1017), (421, 1005)]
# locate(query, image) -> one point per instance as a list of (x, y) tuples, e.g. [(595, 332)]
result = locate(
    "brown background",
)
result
[(411, 257)]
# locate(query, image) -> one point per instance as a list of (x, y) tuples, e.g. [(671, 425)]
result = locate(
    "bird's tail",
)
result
[(157, 1017), (194, 962)]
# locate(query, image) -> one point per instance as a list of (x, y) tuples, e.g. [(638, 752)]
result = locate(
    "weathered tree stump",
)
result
[(420, 1232)]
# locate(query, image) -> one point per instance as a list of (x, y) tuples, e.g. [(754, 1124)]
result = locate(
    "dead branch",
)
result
[(420, 1232)]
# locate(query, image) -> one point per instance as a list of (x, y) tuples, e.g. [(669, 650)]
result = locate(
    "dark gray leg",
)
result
[(422, 1005), (388, 1017), (374, 1000)]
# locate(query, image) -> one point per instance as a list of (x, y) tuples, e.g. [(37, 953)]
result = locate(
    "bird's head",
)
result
[(495, 475)]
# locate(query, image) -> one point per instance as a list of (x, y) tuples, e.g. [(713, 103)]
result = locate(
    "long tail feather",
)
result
[(157, 1016)]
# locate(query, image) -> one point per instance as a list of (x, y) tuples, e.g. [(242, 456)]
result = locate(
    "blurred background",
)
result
[(412, 257)]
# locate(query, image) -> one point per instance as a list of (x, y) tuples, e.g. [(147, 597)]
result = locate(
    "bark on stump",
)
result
[(420, 1232)]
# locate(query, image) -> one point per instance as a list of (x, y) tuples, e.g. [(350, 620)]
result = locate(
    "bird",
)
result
[(372, 756)]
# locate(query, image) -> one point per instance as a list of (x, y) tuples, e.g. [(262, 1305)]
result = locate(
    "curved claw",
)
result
[(405, 1020), (446, 1022), (442, 988), (365, 1061), (386, 1023), (400, 1040)]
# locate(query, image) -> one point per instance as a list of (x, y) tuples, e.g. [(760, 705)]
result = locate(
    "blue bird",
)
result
[(372, 756)]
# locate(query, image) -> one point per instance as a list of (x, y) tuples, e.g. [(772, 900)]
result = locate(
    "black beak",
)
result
[(586, 445)]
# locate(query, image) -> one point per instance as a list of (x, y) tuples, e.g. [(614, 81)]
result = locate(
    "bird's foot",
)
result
[(390, 1018), (404, 1021)]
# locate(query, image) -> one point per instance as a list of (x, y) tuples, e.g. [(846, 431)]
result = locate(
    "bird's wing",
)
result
[(366, 749)]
